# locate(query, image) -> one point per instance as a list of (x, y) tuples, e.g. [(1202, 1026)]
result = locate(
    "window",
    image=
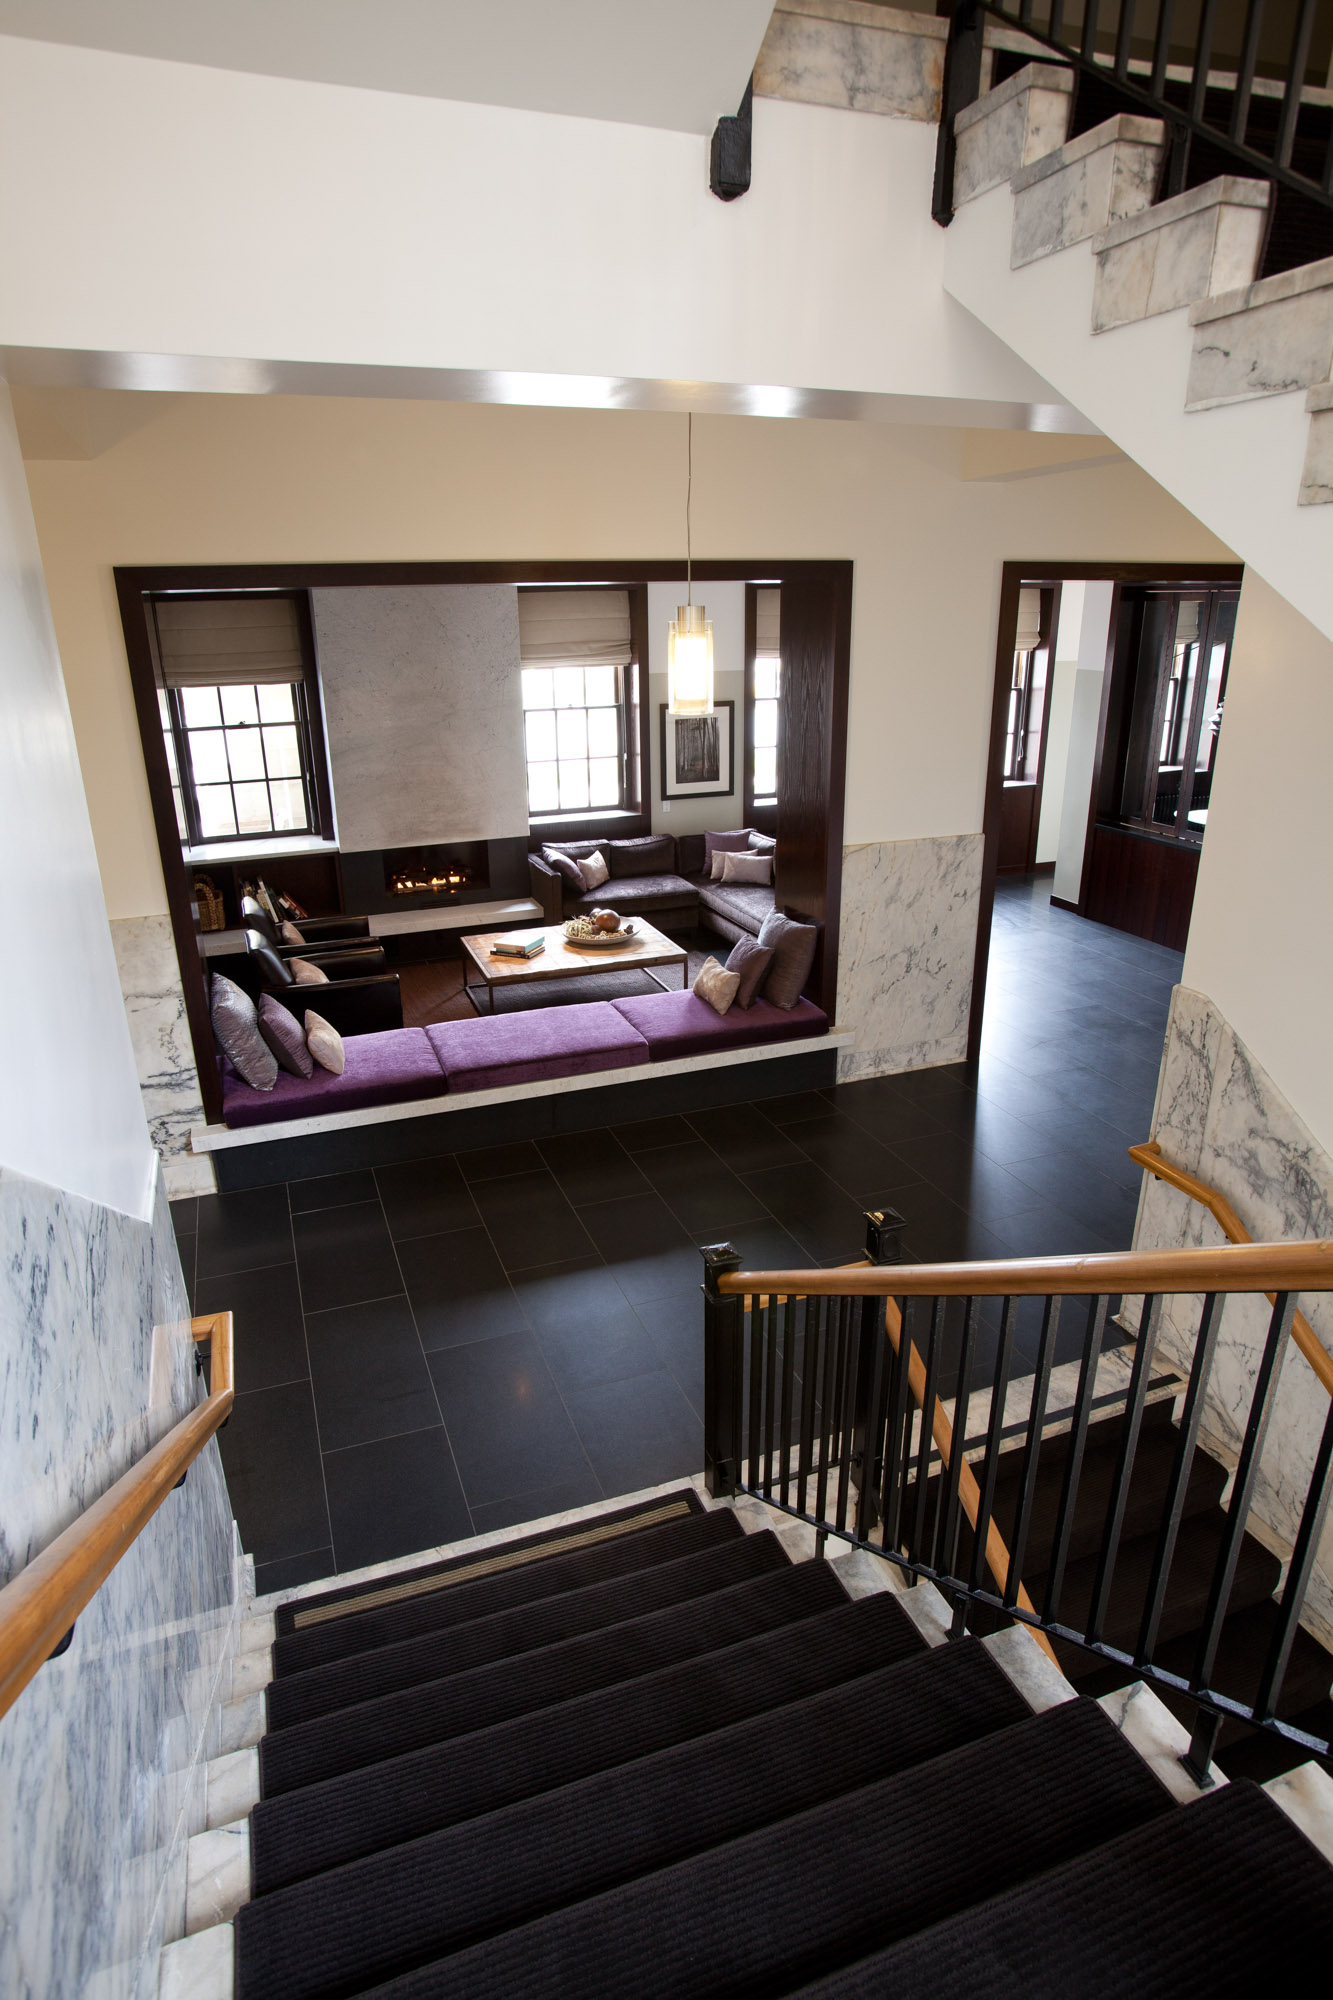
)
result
[(1027, 686), (235, 716), (579, 681), (1178, 697), (766, 697)]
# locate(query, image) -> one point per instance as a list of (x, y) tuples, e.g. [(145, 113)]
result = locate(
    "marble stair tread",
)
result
[(1306, 1797), (1265, 339), (1019, 121), (243, 1723), (201, 1967), (217, 1875), (1083, 186), (231, 1786), (1201, 243), (1149, 1727), (251, 1672)]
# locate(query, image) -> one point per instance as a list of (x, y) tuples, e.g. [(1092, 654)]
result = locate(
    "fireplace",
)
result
[(441, 872)]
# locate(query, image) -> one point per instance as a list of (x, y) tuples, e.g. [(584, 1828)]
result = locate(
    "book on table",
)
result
[(520, 945)]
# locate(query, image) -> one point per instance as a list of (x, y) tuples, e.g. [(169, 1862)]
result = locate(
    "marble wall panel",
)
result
[(1220, 1116), (101, 1755), (155, 1004), (908, 939), (423, 713), (855, 57)]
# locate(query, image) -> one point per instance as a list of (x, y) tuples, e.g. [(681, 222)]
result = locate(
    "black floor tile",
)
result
[(290, 1571), (510, 1430), (268, 1330), (185, 1214), (651, 1132), (850, 1156), (937, 1231), (638, 1433), (425, 1197), (744, 1137), (529, 1220), (1051, 1232), (394, 1498), (270, 1453), (489, 1163), (369, 1373), (345, 1255), (698, 1188), (333, 1191), (828, 1222), (243, 1232), (969, 1178), (761, 1246), (535, 1506), (784, 1111), (676, 1327), (648, 1249), (592, 1166), (568, 1294), (886, 1113), (1065, 1179), (458, 1289), (610, 1348)]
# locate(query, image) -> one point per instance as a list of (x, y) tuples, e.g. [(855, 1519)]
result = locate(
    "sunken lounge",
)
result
[(453, 859)]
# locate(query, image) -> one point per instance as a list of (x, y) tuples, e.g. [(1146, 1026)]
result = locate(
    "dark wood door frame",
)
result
[(137, 584), (1013, 576)]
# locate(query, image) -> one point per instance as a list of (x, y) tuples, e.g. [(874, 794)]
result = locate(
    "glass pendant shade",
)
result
[(690, 661)]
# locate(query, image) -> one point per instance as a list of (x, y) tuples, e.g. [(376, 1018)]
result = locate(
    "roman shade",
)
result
[(229, 641), (583, 628), (767, 623), (1028, 634)]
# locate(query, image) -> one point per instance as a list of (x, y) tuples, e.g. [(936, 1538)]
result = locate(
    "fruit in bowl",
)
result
[(606, 920)]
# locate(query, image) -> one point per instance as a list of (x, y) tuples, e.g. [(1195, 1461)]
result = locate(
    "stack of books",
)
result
[(520, 945)]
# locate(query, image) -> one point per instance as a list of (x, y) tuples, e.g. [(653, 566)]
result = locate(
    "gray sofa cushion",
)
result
[(745, 903), (653, 854), (793, 955), (643, 893)]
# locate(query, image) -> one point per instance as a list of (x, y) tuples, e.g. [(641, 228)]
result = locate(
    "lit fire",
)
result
[(430, 885)]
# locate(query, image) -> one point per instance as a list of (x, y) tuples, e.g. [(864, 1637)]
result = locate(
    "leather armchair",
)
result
[(317, 932), (359, 998)]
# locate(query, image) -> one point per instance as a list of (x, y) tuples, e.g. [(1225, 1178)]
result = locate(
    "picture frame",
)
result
[(699, 753)]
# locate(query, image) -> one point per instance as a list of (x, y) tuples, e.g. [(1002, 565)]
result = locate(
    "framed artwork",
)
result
[(698, 753)]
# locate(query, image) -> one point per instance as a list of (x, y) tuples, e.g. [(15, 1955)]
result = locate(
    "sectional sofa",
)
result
[(659, 878), (403, 1065)]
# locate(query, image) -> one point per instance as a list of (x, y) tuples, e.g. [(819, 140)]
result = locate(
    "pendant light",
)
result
[(690, 632)]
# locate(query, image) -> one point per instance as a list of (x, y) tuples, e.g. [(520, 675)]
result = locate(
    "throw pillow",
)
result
[(793, 955), (289, 933), (747, 868), (324, 1043), (651, 854), (715, 986), (282, 1032), (564, 865), (751, 961), (306, 974), (723, 843), (594, 870), (236, 1025), (763, 843)]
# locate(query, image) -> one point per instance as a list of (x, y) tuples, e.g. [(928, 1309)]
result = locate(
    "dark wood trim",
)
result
[(1053, 635), (1012, 576), (1042, 868), (747, 705), (1118, 611), (332, 576), (1060, 903)]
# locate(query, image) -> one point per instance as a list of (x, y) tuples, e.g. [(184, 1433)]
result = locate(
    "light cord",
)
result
[(689, 487)]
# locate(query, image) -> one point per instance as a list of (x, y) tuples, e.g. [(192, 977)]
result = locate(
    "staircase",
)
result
[(666, 1749)]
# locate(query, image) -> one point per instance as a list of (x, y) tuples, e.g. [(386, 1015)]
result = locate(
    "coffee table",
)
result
[(562, 960)]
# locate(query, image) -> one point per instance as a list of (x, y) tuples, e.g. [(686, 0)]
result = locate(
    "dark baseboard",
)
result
[(1044, 868), (524, 1118), (1059, 903)]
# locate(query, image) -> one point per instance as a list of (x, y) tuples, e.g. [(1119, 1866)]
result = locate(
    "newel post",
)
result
[(723, 1362)]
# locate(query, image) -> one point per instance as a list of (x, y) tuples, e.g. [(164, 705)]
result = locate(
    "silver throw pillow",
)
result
[(236, 1025)]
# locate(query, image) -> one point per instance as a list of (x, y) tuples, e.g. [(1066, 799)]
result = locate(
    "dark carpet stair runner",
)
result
[(651, 1755)]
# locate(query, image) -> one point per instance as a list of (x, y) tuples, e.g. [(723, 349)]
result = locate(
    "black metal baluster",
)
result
[(1161, 54), (991, 1468), (850, 1373), (1057, 24), (1291, 96), (1078, 1438), (753, 1468), (927, 1439), (1027, 1488), (810, 1358), (788, 1380), (1203, 55), (826, 1396), (870, 1420), (895, 1449), (907, 1459), (1124, 35), (724, 1339), (1298, 1574), (1124, 1467), (962, 1399), (1242, 1488), (1173, 1512), (767, 1325), (1249, 56), (1089, 42), (1025, 14)]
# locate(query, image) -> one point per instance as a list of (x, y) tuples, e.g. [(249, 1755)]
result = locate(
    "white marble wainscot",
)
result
[(155, 1006), (1264, 340), (1220, 1116), (905, 953), (855, 57), (1202, 242), (103, 1756), (1084, 186), (1317, 473), (1020, 121)]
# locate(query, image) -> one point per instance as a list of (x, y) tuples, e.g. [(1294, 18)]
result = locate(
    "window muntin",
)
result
[(239, 759), (574, 738), (764, 728)]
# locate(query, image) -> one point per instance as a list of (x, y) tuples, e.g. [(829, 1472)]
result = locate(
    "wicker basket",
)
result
[(209, 898)]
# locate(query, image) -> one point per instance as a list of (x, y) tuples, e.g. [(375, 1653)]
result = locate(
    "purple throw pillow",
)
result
[(564, 865), (793, 954), (751, 960), (724, 843), (282, 1031), (763, 843), (651, 854)]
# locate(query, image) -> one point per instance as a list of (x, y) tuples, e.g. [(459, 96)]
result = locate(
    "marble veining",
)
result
[(905, 953), (1036, 1677), (1148, 1726), (1202, 242), (1020, 121), (1221, 1116), (1266, 340), (163, 1055), (1080, 188), (102, 1757), (853, 57)]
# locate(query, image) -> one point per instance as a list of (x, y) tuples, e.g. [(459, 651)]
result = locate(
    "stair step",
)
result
[(1241, 1658), (376, 1918), (309, 1752), (506, 1634), (1219, 1898), (329, 1824), (399, 1608), (845, 1878)]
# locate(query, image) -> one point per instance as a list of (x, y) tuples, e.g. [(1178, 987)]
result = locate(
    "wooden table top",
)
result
[(562, 960)]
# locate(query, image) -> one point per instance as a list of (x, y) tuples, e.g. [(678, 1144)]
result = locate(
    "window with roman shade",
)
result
[(576, 650)]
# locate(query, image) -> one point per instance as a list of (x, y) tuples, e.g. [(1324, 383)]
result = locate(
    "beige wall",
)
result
[(241, 479)]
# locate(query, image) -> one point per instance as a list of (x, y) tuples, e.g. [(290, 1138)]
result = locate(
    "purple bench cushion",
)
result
[(527, 1048), (680, 1024), (392, 1067)]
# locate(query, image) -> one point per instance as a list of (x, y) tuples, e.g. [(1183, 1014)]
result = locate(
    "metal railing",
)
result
[(1261, 126), (826, 1396)]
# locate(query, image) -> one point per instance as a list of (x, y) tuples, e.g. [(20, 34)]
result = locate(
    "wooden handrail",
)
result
[(1230, 1267), (1151, 1158), (38, 1606), (969, 1493)]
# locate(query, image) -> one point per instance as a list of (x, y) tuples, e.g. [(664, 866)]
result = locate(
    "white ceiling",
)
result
[(680, 64)]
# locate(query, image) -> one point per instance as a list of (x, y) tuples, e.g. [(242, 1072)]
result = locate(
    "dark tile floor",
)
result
[(448, 1346)]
